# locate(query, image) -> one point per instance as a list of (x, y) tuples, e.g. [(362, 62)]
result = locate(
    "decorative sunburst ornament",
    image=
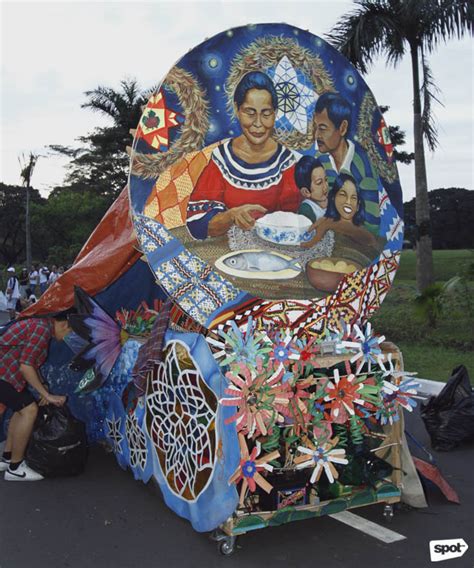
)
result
[(250, 467), (321, 457), (283, 350), (306, 356)]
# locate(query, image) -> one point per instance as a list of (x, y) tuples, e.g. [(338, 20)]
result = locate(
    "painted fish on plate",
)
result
[(261, 262)]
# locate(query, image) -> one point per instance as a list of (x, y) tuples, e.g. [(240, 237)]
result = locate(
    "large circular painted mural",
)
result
[(262, 183)]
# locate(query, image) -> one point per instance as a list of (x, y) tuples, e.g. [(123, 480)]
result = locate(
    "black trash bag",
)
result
[(58, 446), (449, 417)]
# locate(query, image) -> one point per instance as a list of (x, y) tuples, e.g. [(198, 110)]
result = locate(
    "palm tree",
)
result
[(27, 167), (123, 106), (101, 162), (392, 27)]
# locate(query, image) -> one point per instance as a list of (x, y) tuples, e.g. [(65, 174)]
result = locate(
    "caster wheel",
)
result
[(216, 535), (388, 513), (227, 546)]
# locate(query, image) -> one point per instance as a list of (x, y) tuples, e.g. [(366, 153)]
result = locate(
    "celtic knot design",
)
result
[(180, 420), (136, 442)]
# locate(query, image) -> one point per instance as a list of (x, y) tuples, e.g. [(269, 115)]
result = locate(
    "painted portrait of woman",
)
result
[(249, 175)]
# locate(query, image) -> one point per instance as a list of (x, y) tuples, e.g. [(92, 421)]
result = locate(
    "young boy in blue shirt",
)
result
[(310, 177)]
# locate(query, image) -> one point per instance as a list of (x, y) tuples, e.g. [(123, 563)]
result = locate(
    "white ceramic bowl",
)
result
[(284, 228)]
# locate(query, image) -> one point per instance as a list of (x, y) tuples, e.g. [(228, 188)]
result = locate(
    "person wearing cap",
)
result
[(12, 292), (23, 349)]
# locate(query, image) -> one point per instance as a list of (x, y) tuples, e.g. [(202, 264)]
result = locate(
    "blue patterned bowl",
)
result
[(284, 228)]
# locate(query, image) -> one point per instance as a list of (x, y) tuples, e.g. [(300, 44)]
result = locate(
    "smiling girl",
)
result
[(345, 213)]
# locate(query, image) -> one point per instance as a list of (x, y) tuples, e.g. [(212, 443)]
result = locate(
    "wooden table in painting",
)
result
[(297, 287)]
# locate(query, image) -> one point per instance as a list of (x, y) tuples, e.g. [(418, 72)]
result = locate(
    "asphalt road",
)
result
[(104, 519)]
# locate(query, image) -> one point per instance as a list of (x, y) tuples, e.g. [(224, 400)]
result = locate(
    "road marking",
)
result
[(368, 527)]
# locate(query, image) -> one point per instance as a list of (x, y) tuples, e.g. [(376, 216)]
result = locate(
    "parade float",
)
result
[(223, 346)]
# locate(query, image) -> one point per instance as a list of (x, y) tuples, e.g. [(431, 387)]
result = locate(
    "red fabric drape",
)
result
[(108, 253)]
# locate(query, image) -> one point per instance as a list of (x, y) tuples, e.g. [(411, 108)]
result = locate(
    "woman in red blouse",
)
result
[(247, 176)]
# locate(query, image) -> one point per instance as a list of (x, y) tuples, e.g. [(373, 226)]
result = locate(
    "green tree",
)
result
[(392, 27), (12, 222), (101, 163), (63, 223), (451, 213)]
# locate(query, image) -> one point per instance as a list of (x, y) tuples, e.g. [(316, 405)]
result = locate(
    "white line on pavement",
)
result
[(368, 527)]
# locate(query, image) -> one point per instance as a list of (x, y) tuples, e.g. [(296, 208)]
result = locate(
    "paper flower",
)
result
[(342, 395), (385, 363), (321, 457), (387, 412), (283, 350), (365, 344), (245, 345), (259, 395), (298, 410), (103, 338), (402, 394), (306, 354), (250, 467)]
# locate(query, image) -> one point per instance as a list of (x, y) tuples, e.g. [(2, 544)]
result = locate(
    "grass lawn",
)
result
[(435, 364), (432, 352), (447, 263)]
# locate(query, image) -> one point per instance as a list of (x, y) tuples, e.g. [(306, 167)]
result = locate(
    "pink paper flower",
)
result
[(250, 468), (259, 395)]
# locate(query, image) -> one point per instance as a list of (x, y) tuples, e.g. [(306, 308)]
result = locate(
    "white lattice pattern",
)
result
[(113, 432), (136, 443), (181, 412)]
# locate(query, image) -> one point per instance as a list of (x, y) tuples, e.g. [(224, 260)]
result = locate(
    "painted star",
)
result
[(295, 99), (156, 122)]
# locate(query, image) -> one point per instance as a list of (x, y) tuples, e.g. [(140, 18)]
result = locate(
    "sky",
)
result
[(52, 52)]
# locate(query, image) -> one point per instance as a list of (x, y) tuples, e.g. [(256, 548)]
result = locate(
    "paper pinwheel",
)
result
[(258, 394), (342, 395), (321, 457), (250, 467)]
